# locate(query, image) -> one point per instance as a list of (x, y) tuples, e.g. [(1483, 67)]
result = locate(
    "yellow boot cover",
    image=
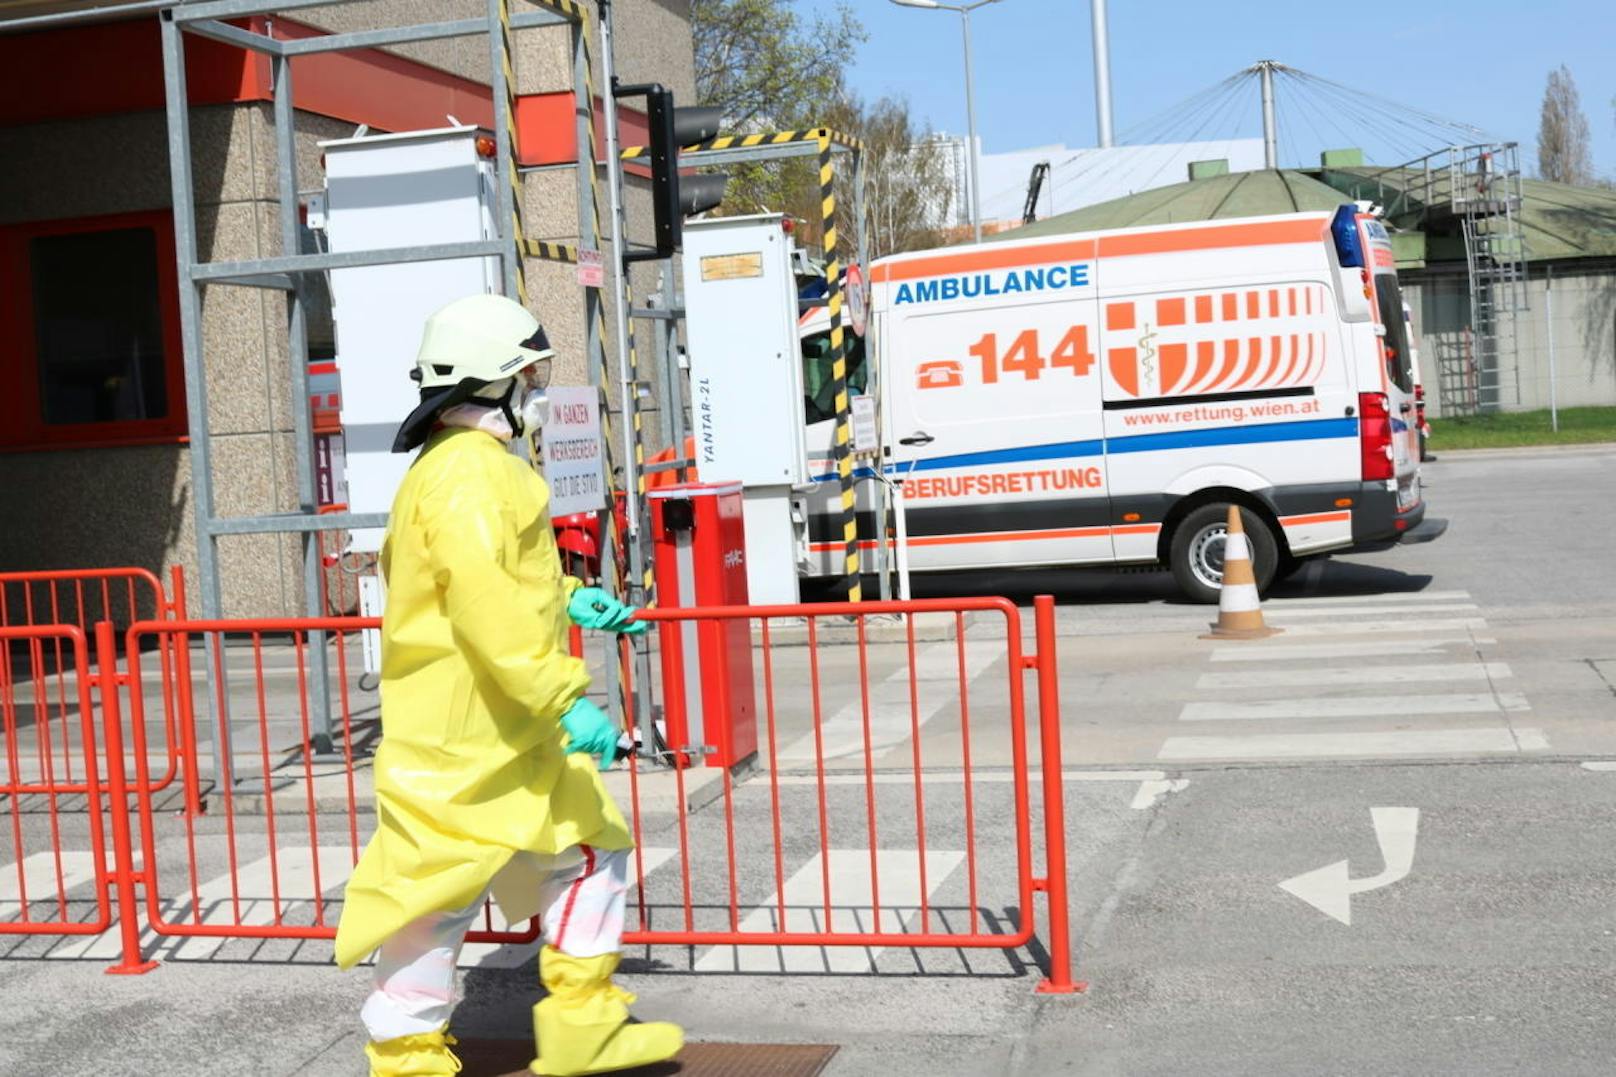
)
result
[(424, 1055), (582, 1025)]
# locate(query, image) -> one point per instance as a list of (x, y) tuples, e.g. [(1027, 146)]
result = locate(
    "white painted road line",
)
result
[(937, 671), (39, 876), (256, 902), (1285, 652), (1152, 791), (1380, 628), (1397, 598), (1355, 675), (852, 910), (1407, 742), (904, 777), (1409, 613), (1599, 764), (1354, 707)]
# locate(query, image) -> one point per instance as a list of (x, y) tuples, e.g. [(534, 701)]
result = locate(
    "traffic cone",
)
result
[(1239, 611)]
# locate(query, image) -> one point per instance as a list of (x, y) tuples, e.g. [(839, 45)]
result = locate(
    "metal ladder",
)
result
[(1489, 195)]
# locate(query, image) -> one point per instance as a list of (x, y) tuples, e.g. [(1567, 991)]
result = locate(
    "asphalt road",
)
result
[(1434, 717)]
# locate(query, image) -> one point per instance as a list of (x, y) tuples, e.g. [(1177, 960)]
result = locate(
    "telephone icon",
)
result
[(946, 374)]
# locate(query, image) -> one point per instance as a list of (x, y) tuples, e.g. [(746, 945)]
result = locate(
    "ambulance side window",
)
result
[(1389, 304), (819, 374)]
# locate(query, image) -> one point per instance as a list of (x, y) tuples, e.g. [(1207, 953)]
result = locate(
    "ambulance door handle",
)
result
[(919, 437), (1406, 407)]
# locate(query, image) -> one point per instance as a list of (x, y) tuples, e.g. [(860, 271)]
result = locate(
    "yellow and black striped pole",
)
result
[(513, 177), (816, 135), (843, 446)]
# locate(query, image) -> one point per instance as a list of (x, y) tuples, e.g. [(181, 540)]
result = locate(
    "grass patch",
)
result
[(1505, 430)]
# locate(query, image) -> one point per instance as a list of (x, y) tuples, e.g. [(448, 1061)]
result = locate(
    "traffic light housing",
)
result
[(675, 197)]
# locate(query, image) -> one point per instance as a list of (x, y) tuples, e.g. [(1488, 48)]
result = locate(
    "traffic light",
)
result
[(675, 197)]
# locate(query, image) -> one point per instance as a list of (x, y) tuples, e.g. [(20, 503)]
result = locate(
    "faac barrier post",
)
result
[(700, 541)]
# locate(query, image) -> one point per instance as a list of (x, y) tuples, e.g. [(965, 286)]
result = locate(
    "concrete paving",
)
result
[(1440, 718)]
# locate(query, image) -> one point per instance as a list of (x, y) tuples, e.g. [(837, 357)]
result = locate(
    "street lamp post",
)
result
[(970, 100)]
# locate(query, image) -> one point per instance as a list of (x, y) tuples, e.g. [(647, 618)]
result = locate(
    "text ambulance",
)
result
[(1102, 398)]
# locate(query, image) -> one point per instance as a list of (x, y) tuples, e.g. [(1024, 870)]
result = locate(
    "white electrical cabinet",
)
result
[(414, 189), (746, 395), (745, 360)]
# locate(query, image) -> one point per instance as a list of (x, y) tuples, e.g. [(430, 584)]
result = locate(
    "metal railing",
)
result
[(903, 800)]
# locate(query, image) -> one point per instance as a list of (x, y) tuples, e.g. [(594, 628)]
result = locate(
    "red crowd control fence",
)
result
[(901, 797), (268, 862), (81, 599), (886, 765), (54, 849)]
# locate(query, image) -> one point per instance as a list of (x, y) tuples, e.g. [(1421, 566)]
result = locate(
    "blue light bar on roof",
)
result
[(1344, 230)]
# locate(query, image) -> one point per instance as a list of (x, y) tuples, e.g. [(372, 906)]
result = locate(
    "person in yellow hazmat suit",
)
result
[(486, 774)]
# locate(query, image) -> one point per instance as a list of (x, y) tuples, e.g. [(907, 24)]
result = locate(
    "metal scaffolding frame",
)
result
[(827, 146), (288, 271), (1474, 190)]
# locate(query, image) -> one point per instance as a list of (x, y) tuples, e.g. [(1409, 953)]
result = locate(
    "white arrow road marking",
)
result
[(1329, 890)]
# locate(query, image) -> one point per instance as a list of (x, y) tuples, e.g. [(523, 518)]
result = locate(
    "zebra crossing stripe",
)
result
[(1354, 707), (1355, 675), (852, 910), (1404, 742), (1289, 652), (1409, 612), (1398, 598), (892, 712), (38, 876)]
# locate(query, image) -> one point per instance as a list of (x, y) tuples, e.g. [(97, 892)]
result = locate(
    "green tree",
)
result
[(1562, 133), (769, 69), (907, 186)]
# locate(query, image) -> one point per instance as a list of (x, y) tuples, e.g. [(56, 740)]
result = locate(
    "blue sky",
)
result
[(1483, 62)]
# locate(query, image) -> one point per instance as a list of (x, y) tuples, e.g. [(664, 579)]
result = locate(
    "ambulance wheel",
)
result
[(1196, 553)]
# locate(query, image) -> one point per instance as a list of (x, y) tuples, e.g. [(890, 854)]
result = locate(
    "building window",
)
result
[(89, 347)]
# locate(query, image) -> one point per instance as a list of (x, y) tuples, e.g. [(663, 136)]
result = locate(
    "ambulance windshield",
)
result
[(1399, 361)]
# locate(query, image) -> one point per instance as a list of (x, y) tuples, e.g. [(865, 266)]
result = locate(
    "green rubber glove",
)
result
[(590, 730), (591, 607)]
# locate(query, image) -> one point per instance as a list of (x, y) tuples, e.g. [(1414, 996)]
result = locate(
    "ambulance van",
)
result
[(1102, 398)]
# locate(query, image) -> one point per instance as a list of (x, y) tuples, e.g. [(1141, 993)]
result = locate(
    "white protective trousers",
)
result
[(415, 969)]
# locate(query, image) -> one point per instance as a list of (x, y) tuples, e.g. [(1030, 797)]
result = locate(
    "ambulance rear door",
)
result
[(993, 392)]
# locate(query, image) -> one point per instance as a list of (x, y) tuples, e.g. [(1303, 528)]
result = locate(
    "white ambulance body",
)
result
[(1102, 398)]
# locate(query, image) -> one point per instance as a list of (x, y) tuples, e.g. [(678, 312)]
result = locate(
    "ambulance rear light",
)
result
[(1344, 230), (486, 147), (1375, 436)]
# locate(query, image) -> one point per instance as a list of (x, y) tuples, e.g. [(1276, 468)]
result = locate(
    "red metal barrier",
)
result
[(923, 718), (289, 828), (82, 599), (61, 863)]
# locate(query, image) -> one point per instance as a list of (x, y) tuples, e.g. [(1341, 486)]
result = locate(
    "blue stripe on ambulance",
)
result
[(1302, 430)]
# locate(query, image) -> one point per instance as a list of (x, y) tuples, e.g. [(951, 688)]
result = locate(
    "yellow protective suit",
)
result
[(475, 678)]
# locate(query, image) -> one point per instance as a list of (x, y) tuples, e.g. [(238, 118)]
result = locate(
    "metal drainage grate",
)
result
[(509, 1058)]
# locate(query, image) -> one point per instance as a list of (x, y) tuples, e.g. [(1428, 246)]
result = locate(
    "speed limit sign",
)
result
[(858, 298)]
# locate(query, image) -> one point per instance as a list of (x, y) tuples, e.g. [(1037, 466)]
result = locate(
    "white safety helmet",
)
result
[(472, 350)]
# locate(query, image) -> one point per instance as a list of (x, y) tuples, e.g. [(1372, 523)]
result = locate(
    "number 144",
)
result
[(1026, 357)]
